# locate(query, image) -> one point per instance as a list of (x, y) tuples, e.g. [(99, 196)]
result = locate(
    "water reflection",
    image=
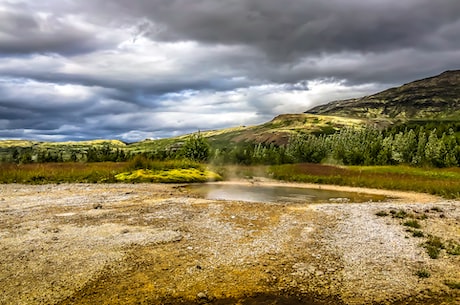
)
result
[(277, 194)]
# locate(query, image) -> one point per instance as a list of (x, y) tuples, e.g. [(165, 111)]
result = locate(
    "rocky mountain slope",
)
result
[(433, 98)]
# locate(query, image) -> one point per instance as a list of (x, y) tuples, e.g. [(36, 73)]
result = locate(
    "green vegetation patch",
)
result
[(381, 214), (423, 274), (453, 248), (68, 172), (452, 285), (442, 182), (412, 224), (189, 175), (401, 214), (433, 246), (418, 233)]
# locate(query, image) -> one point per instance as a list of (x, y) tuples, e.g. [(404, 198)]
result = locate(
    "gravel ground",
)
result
[(159, 244)]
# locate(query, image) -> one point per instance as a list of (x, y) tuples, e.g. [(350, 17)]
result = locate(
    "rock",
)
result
[(319, 273), (202, 296), (97, 206)]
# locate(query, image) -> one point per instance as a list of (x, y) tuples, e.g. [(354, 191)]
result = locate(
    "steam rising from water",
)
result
[(274, 194)]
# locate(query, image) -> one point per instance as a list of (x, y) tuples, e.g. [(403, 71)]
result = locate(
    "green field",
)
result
[(442, 182), (138, 170)]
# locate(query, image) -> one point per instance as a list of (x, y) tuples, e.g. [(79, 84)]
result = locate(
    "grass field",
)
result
[(75, 172), (442, 182), (138, 170)]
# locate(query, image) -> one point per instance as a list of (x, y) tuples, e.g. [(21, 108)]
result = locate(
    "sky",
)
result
[(138, 69)]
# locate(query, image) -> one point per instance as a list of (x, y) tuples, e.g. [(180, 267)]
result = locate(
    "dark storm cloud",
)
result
[(23, 31), (289, 35), (286, 29)]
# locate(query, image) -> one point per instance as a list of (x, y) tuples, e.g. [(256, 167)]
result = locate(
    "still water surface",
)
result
[(279, 194)]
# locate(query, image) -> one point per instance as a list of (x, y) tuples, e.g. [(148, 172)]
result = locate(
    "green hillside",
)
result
[(433, 98)]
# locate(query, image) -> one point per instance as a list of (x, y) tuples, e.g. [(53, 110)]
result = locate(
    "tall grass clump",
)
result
[(443, 182), (412, 224), (423, 274), (141, 162), (433, 246), (41, 173)]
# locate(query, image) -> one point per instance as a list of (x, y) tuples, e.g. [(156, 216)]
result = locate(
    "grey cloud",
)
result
[(27, 32), (287, 29), (283, 34), (200, 71)]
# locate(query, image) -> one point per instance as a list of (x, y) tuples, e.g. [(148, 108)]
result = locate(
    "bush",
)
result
[(381, 213), (452, 285), (433, 246), (423, 274), (412, 224), (401, 214), (196, 148), (417, 233), (453, 248)]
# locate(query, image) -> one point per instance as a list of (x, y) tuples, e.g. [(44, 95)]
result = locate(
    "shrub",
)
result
[(452, 285), (398, 214), (381, 213), (417, 233), (412, 224), (433, 246), (196, 148), (453, 248), (423, 274)]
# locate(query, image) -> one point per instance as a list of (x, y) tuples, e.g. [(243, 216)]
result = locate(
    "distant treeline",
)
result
[(355, 147), (32, 154), (415, 146)]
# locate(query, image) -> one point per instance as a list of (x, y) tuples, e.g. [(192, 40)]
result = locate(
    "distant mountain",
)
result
[(433, 98), (279, 129)]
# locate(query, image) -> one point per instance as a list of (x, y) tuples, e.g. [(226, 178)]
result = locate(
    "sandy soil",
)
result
[(159, 244)]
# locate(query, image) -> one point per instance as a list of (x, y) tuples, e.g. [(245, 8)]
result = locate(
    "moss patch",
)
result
[(169, 176)]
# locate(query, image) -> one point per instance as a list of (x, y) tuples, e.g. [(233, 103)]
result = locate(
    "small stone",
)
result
[(97, 206), (202, 296), (319, 273)]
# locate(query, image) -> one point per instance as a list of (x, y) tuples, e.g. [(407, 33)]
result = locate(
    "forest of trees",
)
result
[(416, 147)]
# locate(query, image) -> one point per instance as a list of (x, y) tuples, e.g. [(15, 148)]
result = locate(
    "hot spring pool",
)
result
[(279, 194)]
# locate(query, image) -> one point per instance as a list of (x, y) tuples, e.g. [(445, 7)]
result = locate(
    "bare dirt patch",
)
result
[(158, 244)]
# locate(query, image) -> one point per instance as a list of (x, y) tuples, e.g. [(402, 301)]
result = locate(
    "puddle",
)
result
[(279, 194)]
